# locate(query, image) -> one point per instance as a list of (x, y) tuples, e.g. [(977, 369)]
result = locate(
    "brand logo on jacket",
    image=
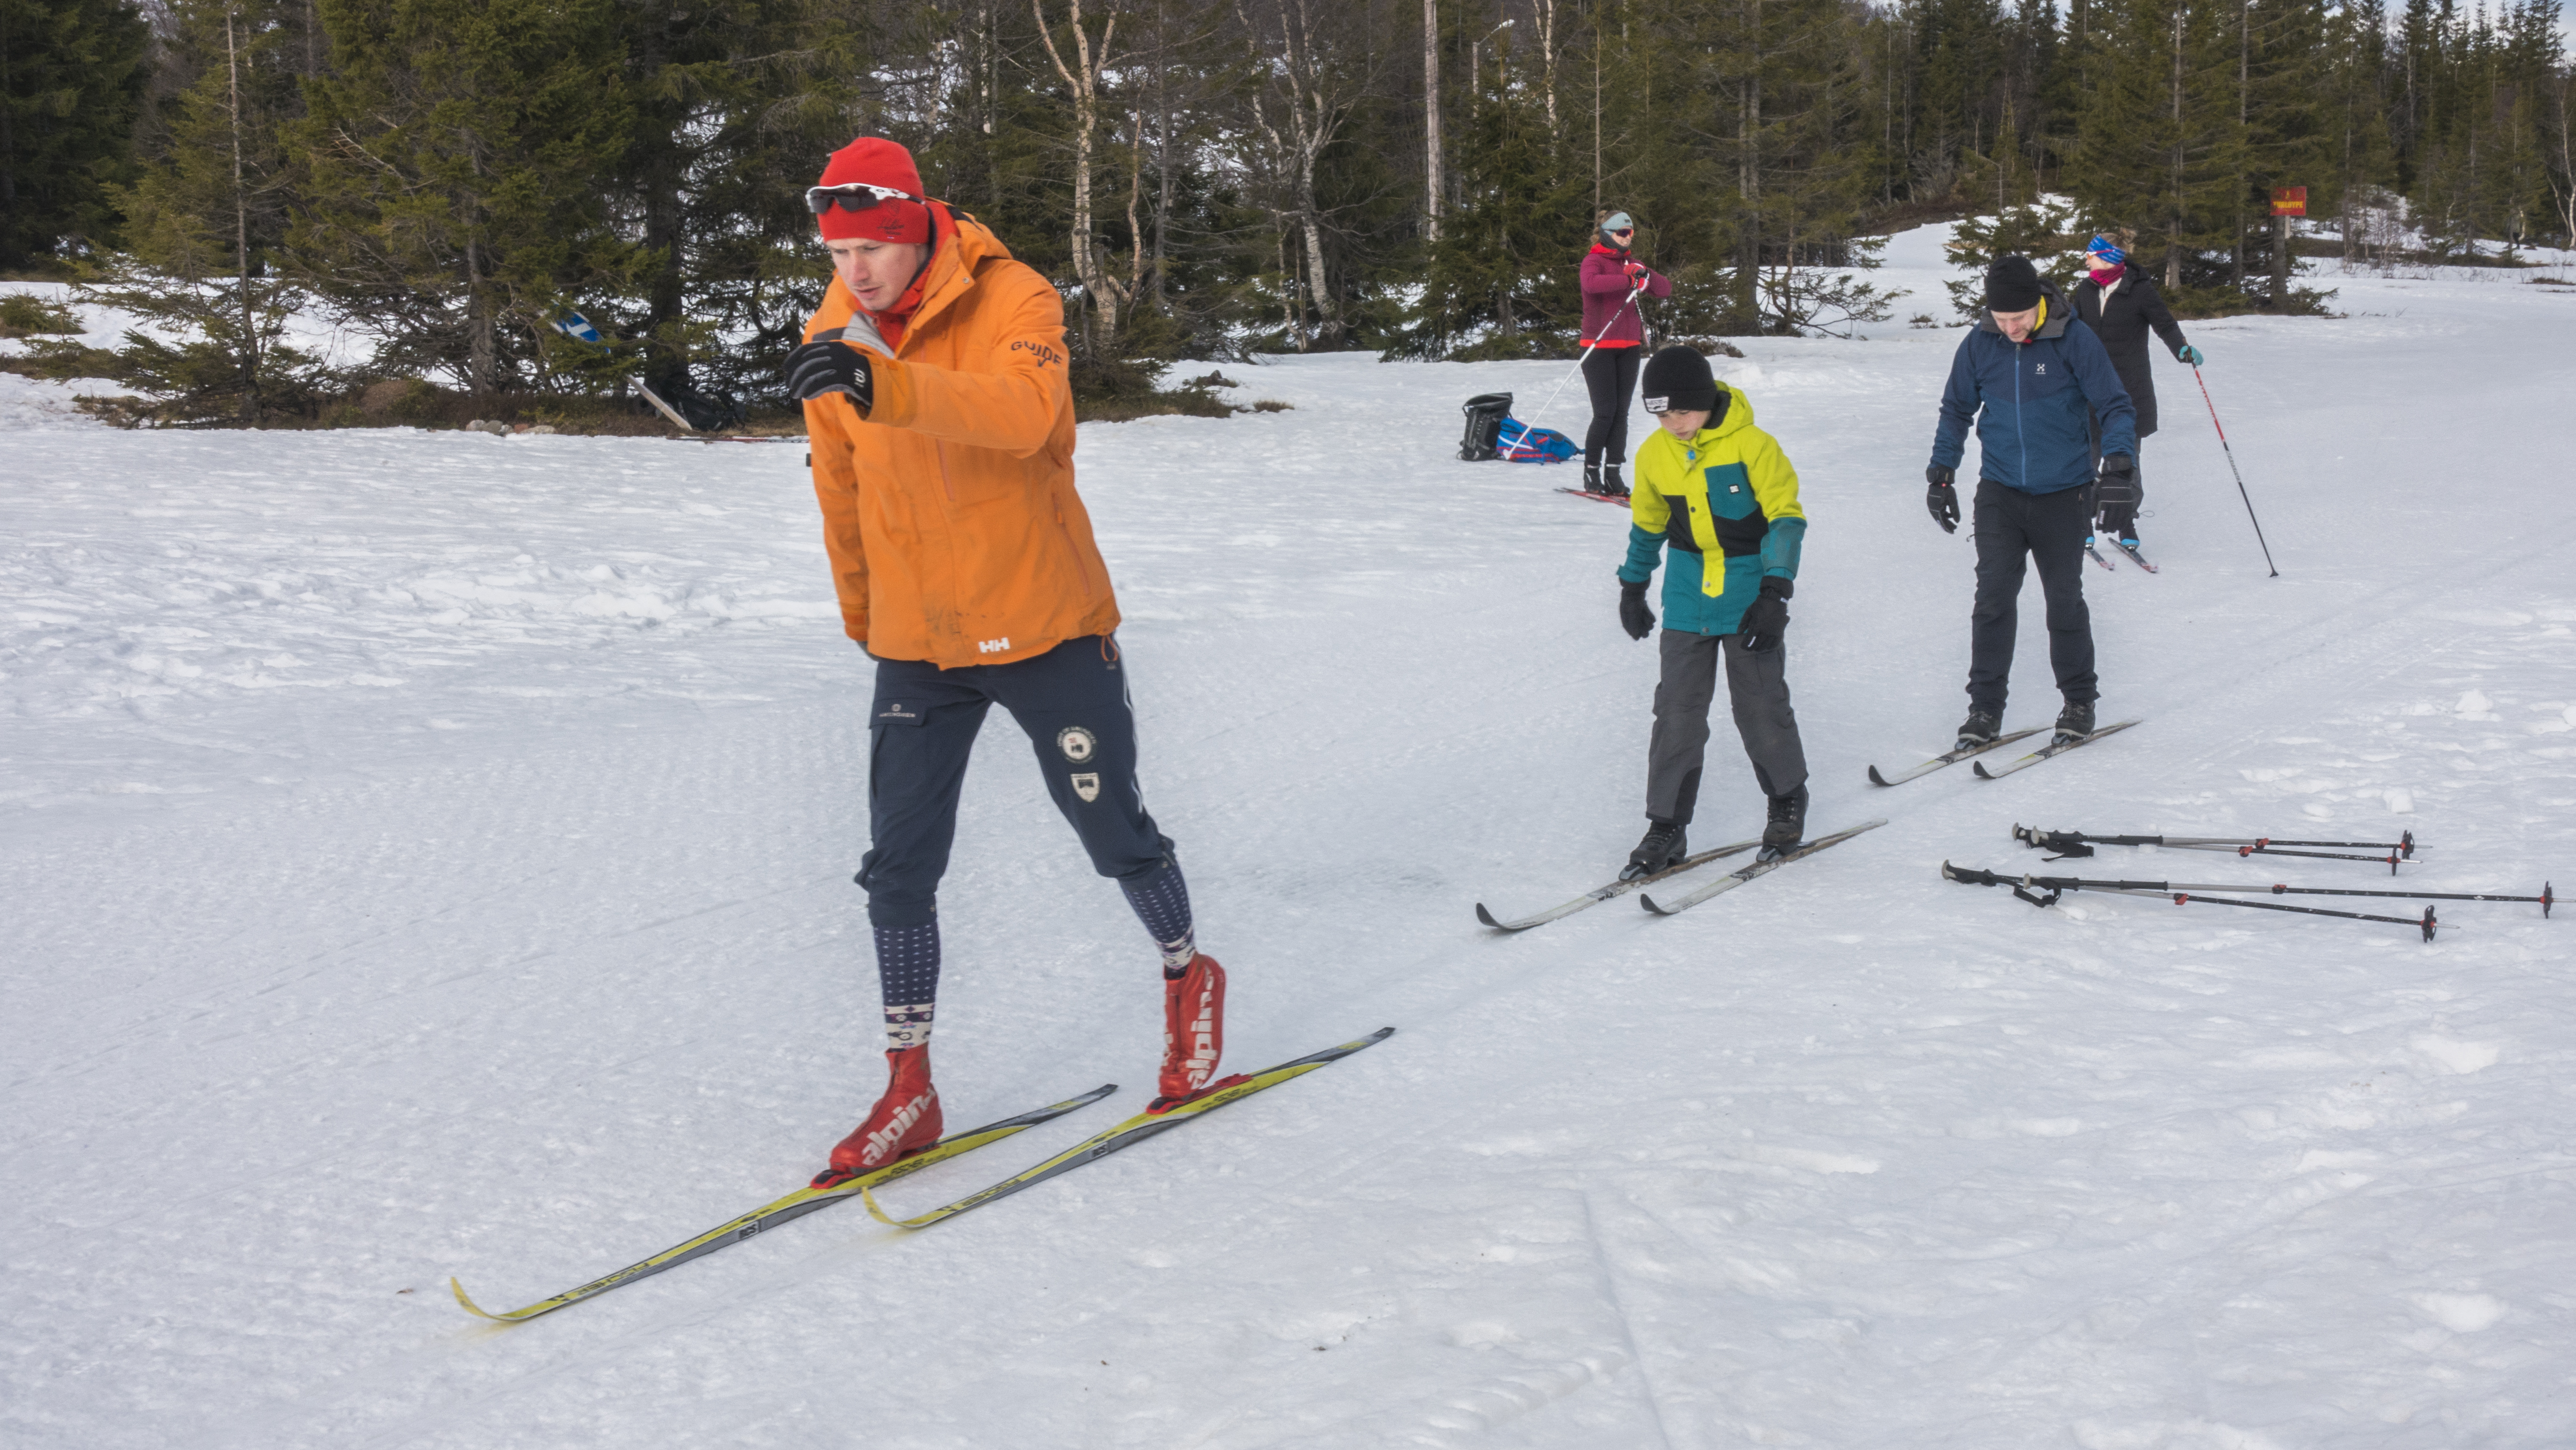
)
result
[(1087, 786), (2039, 370), (896, 710), (1077, 743), (993, 646)]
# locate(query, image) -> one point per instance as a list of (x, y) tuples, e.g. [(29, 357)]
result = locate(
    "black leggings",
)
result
[(1610, 374)]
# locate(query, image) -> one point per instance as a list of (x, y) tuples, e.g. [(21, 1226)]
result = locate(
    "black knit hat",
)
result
[(1678, 377), (2012, 285)]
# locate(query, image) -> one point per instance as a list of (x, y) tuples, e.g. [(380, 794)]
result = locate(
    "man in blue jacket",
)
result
[(2030, 376)]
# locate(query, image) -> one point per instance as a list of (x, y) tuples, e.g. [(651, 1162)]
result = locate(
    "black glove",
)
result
[(818, 368), (1634, 616), (2119, 483), (1942, 498), (1767, 615)]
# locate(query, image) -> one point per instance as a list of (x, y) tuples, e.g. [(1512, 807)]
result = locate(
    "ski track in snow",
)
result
[(429, 854)]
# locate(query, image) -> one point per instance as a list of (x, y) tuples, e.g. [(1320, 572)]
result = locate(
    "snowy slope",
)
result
[(429, 854)]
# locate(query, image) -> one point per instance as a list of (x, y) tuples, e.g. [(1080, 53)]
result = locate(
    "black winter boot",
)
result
[(1666, 843), (2075, 721), (1980, 728), (1611, 483), (1592, 478), (1788, 823)]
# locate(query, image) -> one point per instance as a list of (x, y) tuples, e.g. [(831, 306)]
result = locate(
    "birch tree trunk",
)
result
[(1083, 79), (1431, 117), (241, 233)]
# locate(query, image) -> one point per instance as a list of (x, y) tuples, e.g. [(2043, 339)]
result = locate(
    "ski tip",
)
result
[(458, 1289), (1979, 767), (1875, 778), (1487, 917), (1648, 903), (868, 1196)]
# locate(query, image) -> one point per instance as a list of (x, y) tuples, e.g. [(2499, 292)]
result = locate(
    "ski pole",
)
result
[(1578, 365), (2231, 467), (2057, 886), (2547, 898), (2078, 843)]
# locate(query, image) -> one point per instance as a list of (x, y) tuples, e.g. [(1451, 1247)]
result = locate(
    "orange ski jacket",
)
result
[(949, 509)]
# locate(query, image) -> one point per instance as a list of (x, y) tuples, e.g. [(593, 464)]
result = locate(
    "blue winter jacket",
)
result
[(2030, 402)]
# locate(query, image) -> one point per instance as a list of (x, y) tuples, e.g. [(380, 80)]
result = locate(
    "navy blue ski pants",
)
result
[(1073, 703)]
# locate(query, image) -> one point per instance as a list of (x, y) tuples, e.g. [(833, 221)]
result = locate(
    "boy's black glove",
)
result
[(818, 368), (1634, 616), (2119, 483), (1942, 498), (1767, 615)]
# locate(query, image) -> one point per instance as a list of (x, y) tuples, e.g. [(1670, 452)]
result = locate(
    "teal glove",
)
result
[(2191, 355)]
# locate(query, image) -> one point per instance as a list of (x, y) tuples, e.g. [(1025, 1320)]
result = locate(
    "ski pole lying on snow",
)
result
[(2078, 843), (2057, 886), (2184, 891), (1528, 428), (2231, 467)]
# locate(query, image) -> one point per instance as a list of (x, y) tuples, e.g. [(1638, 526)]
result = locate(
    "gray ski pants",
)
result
[(1758, 686)]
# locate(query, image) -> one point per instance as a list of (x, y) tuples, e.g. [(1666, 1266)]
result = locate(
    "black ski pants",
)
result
[(2013, 530), (1610, 375), (1072, 701)]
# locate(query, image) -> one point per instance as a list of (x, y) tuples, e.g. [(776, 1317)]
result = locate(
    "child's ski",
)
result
[(1740, 875), (1601, 894)]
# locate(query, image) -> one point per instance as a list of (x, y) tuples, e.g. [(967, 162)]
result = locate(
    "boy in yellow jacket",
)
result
[(1722, 495)]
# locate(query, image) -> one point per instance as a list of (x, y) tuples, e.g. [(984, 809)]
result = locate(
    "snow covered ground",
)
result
[(429, 854)]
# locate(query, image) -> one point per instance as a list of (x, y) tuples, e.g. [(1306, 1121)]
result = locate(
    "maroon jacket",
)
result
[(1605, 286)]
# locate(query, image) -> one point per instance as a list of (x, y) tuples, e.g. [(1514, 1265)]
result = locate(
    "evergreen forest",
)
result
[(450, 178)]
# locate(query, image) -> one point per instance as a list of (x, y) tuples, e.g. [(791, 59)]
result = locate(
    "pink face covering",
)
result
[(2105, 276)]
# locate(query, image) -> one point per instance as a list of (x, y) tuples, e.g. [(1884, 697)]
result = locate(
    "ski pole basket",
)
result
[(1485, 413)]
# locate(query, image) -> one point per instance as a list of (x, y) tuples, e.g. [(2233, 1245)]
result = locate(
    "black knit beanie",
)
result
[(1678, 377), (2012, 285)]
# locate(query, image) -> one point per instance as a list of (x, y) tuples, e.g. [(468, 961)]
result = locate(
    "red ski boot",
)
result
[(1193, 1032), (904, 1121)]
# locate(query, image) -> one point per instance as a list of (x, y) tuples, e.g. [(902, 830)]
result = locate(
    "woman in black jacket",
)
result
[(2120, 304)]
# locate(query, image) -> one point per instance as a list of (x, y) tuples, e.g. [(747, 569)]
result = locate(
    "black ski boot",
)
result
[(1980, 728), (1788, 823), (1665, 845), (2075, 721), (1611, 483), (1592, 478)]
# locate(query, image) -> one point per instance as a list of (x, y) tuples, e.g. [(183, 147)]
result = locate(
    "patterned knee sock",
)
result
[(1162, 901), (908, 973)]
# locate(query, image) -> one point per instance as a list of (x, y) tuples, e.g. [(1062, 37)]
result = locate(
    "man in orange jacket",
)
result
[(933, 379)]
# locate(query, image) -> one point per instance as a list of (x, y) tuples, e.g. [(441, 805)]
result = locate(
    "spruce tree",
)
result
[(71, 85), (205, 220), (2162, 147), (458, 153)]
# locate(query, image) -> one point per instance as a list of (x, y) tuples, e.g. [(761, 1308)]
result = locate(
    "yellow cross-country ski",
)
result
[(795, 1205), (1134, 1131)]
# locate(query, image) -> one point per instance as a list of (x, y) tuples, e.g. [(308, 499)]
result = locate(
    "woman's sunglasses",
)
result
[(856, 196)]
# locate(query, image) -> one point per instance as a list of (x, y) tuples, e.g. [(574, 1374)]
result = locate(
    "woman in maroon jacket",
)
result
[(1616, 335)]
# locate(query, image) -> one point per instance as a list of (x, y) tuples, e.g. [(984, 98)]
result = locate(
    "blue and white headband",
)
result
[(2103, 249)]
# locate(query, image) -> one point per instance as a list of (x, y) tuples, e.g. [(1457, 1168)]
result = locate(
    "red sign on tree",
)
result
[(2289, 201)]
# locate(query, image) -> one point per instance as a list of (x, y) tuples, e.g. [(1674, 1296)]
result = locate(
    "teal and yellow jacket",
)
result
[(1727, 495)]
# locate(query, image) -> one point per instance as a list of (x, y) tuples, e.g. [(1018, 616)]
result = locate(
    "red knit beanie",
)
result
[(876, 162)]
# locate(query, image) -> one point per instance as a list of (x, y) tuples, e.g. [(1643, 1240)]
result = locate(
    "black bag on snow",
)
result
[(1485, 413)]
